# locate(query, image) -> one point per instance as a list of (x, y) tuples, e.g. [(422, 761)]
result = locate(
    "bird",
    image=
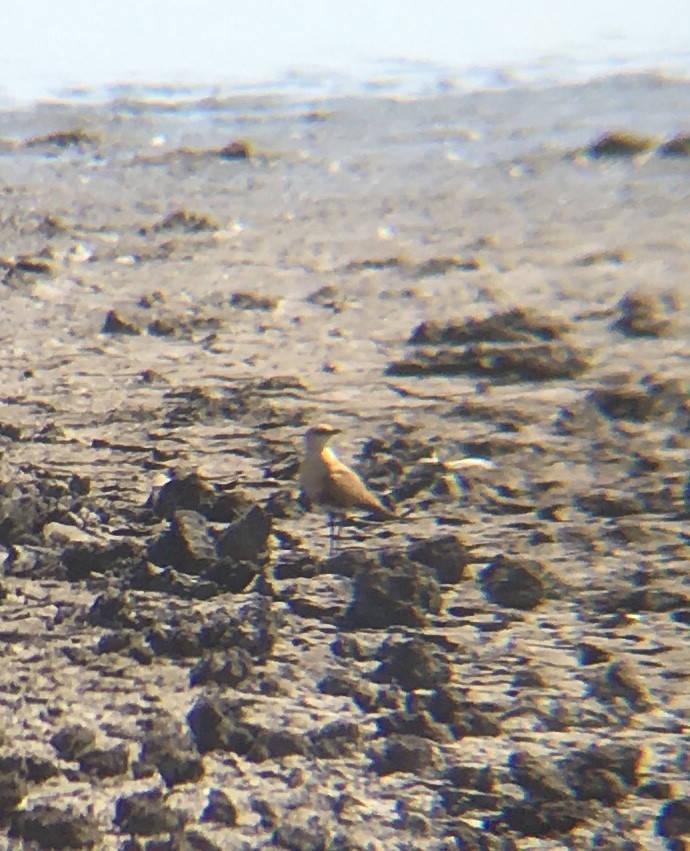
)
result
[(333, 486)]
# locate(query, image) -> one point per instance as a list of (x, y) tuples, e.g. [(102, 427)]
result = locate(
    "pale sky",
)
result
[(93, 42)]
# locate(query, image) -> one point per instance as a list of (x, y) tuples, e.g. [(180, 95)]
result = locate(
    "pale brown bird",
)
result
[(332, 485)]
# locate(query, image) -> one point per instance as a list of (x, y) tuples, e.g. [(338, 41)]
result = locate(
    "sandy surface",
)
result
[(286, 291)]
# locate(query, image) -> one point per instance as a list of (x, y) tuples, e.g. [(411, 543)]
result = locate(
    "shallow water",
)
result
[(309, 50)]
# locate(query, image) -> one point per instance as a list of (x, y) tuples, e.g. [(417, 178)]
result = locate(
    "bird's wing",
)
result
[(343, 487)]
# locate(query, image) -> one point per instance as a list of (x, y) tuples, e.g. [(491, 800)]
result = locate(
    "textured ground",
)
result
[(505, 665)]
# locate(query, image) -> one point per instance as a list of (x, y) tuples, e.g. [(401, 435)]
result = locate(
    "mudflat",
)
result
[(489, 294)]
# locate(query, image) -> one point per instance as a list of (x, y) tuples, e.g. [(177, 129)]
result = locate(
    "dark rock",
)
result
[(674, 819), (145, 814), (620, 144), (337, 685), (620, 758), (515, 325), (161, 328), (475, 777), (276, 744), (412, 723), (192, 493), (25, 508), (73, 742), (512, 583), (217, 724), (597, 258), (590, 654), (450, 706), (335, 740), (247, 538), (228, 669), (31, 768), (266, 812), (77, 138), (13, 790), (35, 563), (642, 600), (176, 642), (446, 555), (190, 840), (630, 403), (598, 784), (306, 608), (327, 296), (10, 431), (641, 316), (620, 682), (443, 265), (183, 220), (173, 754), (112, 610), (255, 629), (385, 596), (660, 789), (425, 478), (219, 809), (348, 563), (50, 827), (649, 399), (187, 545), (239, 149), (348, 647), (539, 780), (527, 678), (505, 361), (296, 838), (682, 616), (370, 700), (295, 565), (82, 560), (79, 485), (679, 146), (116, 324), (38, 770), (544, 818), (282, 504), (469, 838), (610, 504), (177, 766), (404, 753), (378, 264), (147, 577), (234, 576), (110, 762), (252, 301), (412, 664), (31, 265)]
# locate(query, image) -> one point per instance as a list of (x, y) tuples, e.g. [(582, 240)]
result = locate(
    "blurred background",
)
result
[(80, 47)]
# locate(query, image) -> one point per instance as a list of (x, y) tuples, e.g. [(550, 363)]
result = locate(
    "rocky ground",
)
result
[(499, 320)]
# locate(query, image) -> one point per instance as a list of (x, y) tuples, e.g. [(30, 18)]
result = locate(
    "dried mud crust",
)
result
[(503, 666)]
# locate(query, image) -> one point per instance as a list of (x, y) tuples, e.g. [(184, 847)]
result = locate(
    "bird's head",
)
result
[(318, 436)]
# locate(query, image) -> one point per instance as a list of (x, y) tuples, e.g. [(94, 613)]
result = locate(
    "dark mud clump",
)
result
[(619, 144), (516, 345), (78, 138), (50, 827), (642, 315), (679, 146)]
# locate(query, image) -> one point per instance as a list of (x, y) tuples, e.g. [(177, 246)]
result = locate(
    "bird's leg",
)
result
[(331, 533), (338, 528)]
